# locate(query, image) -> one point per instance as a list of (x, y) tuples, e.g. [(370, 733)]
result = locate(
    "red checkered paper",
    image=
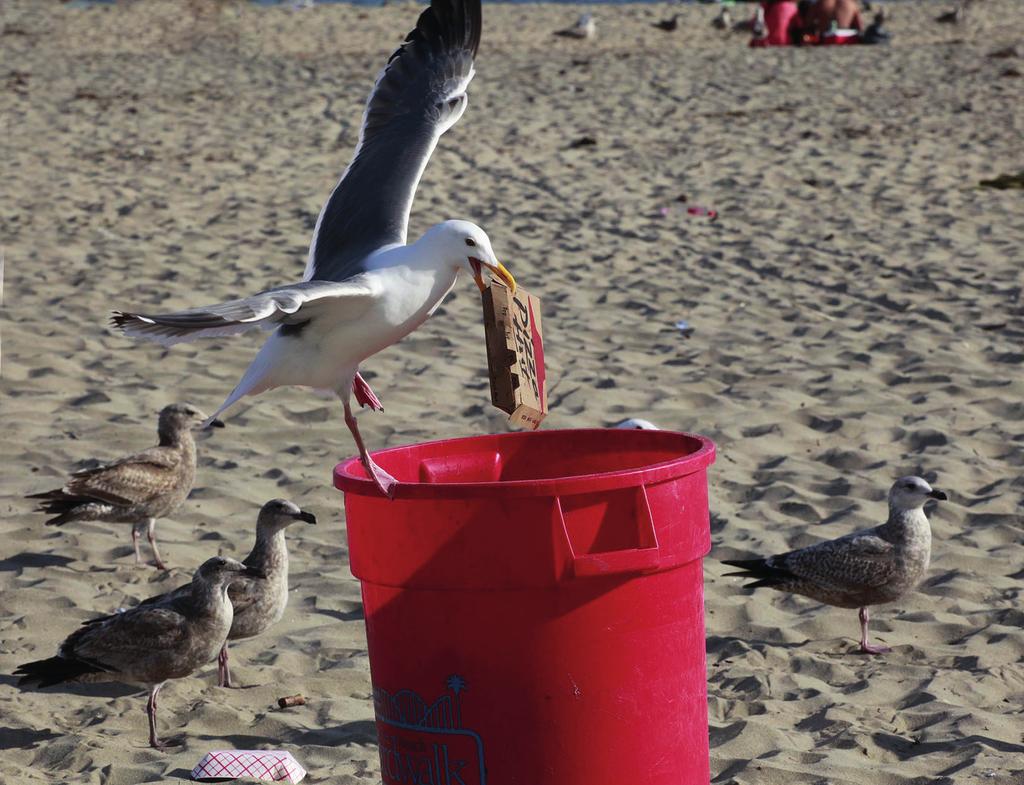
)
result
[(268, 765)]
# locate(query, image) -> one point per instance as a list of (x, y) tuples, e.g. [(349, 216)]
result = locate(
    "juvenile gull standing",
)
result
[(150, 643), (258, 602), (364, 288), (864, 568), (136, 489)]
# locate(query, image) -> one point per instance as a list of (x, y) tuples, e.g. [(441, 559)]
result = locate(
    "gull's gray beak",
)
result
[(215, 423), (308, 517), (938, 495), (253, 572)]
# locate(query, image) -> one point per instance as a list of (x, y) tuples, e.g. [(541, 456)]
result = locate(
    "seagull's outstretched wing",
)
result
[(293, 304), (420, 94)]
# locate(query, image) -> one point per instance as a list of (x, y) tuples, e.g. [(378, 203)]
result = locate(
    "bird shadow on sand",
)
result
[(23, 738), (905, 748), (356, 732), (726, 647), (31, 560), (353, 615), (101, 690), (732, 646)]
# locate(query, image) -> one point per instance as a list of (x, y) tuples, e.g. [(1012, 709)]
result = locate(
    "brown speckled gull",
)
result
[(861, 569), (150, 643), (258, 603), (136, 489)]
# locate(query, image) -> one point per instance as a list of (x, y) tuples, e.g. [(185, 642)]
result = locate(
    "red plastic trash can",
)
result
[(534, 607)]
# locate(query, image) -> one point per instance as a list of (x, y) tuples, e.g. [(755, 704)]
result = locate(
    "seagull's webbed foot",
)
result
[(384, 481), (364, 395), (166, 744)]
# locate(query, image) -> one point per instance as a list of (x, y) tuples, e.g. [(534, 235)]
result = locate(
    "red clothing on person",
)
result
[(779, 18)]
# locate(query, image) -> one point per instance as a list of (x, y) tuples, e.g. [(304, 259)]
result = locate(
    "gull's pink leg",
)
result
[(384, 481), (364, 395), (223, 672), (866, 647), (154, 742), (151, 536), (135, 543)]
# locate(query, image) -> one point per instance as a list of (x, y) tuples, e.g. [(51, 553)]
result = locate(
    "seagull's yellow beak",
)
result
[(498, 270)]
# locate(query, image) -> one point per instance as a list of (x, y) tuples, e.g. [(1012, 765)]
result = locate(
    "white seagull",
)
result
[(364, 288)]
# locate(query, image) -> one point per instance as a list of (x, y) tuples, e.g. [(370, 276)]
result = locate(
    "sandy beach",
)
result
[(856, 309)]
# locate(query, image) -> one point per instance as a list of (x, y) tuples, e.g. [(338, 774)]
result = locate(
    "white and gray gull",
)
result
[(136, 489), (150, 643), (865, 568), (258, 602), (364, 289)]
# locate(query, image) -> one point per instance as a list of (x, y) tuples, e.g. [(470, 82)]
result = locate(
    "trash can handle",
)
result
[(641, 560)]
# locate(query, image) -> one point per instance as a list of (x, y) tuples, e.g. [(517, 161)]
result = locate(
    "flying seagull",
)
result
[(864, 568), (364, 288), (138, 488), (148, 644), (257, 602)]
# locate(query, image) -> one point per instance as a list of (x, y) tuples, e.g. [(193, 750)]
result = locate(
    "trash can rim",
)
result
[(689, 463)]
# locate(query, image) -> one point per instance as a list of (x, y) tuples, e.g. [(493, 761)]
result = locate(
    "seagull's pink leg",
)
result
[(364, 395), (223, 672), (135, 543), (384, 481), (866, 647), (151, 536), (154, 742)]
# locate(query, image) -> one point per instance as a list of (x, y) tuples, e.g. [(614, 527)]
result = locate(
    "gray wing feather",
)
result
[(119, 642), (857, 561), (134, 479), (283, 305), (418, 96)]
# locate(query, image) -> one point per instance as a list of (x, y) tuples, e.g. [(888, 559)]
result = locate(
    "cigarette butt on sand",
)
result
[(291, 700)]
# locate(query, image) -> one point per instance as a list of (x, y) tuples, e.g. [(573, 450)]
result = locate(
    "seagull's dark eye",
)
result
[(470, 242)]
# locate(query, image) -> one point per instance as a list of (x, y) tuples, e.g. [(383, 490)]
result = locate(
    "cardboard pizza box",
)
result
[(515, 354)]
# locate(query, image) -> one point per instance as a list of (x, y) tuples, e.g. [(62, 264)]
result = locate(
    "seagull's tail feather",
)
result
[(54, 670), (230, 318), (64, 506), (763, 572)]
